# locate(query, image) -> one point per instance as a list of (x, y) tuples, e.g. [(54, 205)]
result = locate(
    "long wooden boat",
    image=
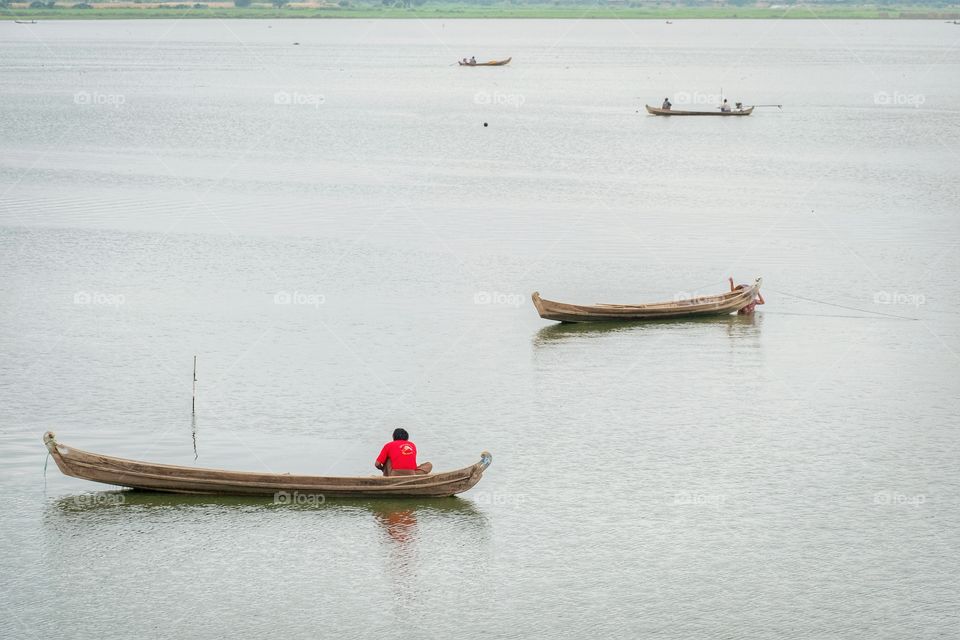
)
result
[(492, 63), (176, 479), (678, 112), (721, 304)]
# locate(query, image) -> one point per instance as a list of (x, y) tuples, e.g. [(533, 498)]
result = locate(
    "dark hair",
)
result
[(400, 434)]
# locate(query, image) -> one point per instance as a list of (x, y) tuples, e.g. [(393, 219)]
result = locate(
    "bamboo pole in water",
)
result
[(193, 407)]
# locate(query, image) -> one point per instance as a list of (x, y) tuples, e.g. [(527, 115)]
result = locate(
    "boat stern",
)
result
[(476, 473), (537, 302), (486, 459), (53, 448)]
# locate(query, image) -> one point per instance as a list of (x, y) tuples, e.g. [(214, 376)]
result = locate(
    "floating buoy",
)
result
[(484, 124)]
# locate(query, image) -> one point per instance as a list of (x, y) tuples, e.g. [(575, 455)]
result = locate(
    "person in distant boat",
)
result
[(750, 308), (473, 60), (399, 458), (666, 104), (725, 107)]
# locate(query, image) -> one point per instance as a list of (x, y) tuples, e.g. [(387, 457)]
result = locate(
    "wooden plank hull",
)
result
[(677, 112), (721, 304), (177, 479), (492, 63)]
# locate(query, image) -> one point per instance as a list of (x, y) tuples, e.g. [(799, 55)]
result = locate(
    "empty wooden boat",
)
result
[(176, 479), (492, 63), (679, 112), (721, 304)]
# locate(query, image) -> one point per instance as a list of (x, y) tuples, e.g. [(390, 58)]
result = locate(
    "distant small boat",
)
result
[(492, 63), (25, 21), (170, 478), (678, 112), (715, 305)]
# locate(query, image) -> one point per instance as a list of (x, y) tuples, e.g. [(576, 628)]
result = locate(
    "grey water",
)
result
[(346, 232)]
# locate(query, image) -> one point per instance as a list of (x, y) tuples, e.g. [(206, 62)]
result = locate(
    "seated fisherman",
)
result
[(399, 458), (666, 104)]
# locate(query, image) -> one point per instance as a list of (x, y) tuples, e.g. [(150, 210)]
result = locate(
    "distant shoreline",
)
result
[(447, 11)]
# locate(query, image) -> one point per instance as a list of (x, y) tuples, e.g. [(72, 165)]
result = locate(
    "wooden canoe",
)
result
[(678, 112), (720, 304), (492, 63), (176, 479)]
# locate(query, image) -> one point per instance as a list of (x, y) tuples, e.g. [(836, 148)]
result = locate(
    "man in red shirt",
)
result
[(399, 458)]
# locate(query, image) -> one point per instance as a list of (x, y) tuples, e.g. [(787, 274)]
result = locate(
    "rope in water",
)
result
[(823, 302), (841, 306), (822, 315)]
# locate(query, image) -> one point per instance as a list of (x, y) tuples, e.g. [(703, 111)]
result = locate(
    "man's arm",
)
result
[(382, 458)]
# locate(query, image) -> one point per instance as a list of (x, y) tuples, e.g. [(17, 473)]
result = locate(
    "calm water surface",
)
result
[(333, 231)]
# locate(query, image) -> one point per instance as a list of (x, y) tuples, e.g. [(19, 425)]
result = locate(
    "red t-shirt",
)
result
[(402, 454)]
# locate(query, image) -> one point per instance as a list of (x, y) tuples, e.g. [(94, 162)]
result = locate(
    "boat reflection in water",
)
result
[(398, 523), (367, 543), (407, 527), (122, 502), (397, 518), (734, 326)]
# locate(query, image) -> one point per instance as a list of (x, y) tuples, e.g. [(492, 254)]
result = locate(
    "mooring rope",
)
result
[(841, 306)]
